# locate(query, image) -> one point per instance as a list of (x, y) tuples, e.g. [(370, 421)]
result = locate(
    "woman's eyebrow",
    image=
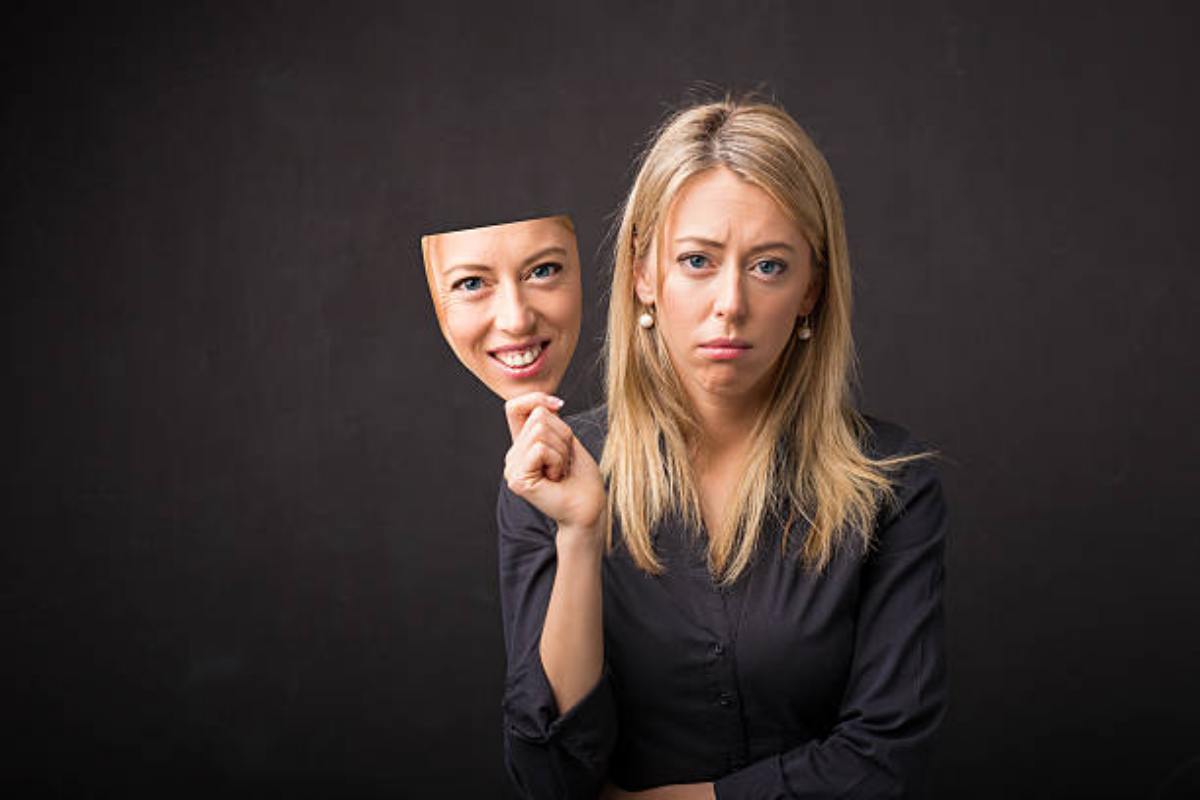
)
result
[(718, 245), (700, 240)]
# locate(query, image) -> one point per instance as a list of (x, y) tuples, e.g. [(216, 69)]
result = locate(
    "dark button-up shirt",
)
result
[(786, 685)]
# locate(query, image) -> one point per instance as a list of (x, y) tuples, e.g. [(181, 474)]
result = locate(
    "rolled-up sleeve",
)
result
[(896, 695), (547, 754)]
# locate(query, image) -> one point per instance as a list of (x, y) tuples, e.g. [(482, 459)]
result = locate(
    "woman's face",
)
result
[(508, 300), (729, 281)]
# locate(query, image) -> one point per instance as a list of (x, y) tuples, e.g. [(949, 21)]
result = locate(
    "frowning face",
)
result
[(729, 283), (508, 300)]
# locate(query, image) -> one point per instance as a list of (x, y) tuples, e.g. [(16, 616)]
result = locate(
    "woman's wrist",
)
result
[(579, 540)]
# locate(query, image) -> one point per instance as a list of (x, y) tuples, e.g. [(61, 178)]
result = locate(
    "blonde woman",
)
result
[(725, 581)]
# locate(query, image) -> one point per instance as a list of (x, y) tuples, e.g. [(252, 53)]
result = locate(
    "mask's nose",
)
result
[(513, 314)]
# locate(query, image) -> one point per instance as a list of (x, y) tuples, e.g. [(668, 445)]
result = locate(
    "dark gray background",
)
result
[(249, 542)]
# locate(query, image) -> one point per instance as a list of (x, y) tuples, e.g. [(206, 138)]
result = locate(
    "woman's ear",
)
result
[(813, 293), (644, 287), (645, 275)]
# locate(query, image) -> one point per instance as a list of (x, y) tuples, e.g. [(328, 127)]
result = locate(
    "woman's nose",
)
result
[(730, 301), (513, 314)]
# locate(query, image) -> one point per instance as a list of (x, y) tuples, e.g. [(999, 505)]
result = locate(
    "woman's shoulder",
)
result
[(591, 428), (883, 438), (919, 478)]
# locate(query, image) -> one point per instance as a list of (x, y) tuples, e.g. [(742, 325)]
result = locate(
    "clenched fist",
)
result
[(549, 467)]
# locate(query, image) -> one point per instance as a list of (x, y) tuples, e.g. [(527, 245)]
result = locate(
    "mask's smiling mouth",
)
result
[(523, 360)]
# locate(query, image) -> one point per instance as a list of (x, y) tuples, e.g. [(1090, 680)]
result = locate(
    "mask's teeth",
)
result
[(520, 358)]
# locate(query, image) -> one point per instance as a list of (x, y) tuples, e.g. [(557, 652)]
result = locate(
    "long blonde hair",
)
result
[(807, 450)]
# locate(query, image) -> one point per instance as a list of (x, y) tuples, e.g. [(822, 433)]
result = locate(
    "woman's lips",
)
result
[(525, 370), (724, 349)]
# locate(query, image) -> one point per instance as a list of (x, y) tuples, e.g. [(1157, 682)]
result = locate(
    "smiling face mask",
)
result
[(508, 299)]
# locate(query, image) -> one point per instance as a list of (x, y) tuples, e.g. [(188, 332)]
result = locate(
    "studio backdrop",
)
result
[(249, 498)]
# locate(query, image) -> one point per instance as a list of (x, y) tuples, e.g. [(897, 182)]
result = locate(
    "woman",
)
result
[(753, 608)]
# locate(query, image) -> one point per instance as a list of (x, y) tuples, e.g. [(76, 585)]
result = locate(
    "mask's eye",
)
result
[(770, 266), (695, 261), (547, 270), (471, 284)]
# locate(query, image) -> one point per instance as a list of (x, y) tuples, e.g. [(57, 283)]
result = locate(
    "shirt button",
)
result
[(718, 649), (725, 699)]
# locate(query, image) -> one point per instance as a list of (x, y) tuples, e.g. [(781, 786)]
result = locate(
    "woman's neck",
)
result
[(725, 425)]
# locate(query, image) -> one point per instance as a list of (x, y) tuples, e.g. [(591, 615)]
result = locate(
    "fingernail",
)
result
[(557, 402)]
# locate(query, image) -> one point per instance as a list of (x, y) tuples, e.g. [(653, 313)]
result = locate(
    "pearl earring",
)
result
[(804, 332), (646, 320)]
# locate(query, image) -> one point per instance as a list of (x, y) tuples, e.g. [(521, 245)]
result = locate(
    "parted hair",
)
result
[(808, 459)]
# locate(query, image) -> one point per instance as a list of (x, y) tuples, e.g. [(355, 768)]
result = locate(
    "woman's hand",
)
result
[(517, 412), (549, 467), (676, 791)]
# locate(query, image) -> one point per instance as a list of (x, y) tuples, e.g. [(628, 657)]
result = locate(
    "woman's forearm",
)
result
[(572, 643)]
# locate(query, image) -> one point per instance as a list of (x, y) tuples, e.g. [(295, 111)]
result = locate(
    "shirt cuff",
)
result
[(587, 731)]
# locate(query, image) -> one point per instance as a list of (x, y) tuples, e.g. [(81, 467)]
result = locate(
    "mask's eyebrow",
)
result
[(552, 250), (472, 268)]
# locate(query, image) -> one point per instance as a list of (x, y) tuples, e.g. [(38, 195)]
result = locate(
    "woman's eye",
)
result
[(546, 270), (770, 266), (695, 261), (471, 284)]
